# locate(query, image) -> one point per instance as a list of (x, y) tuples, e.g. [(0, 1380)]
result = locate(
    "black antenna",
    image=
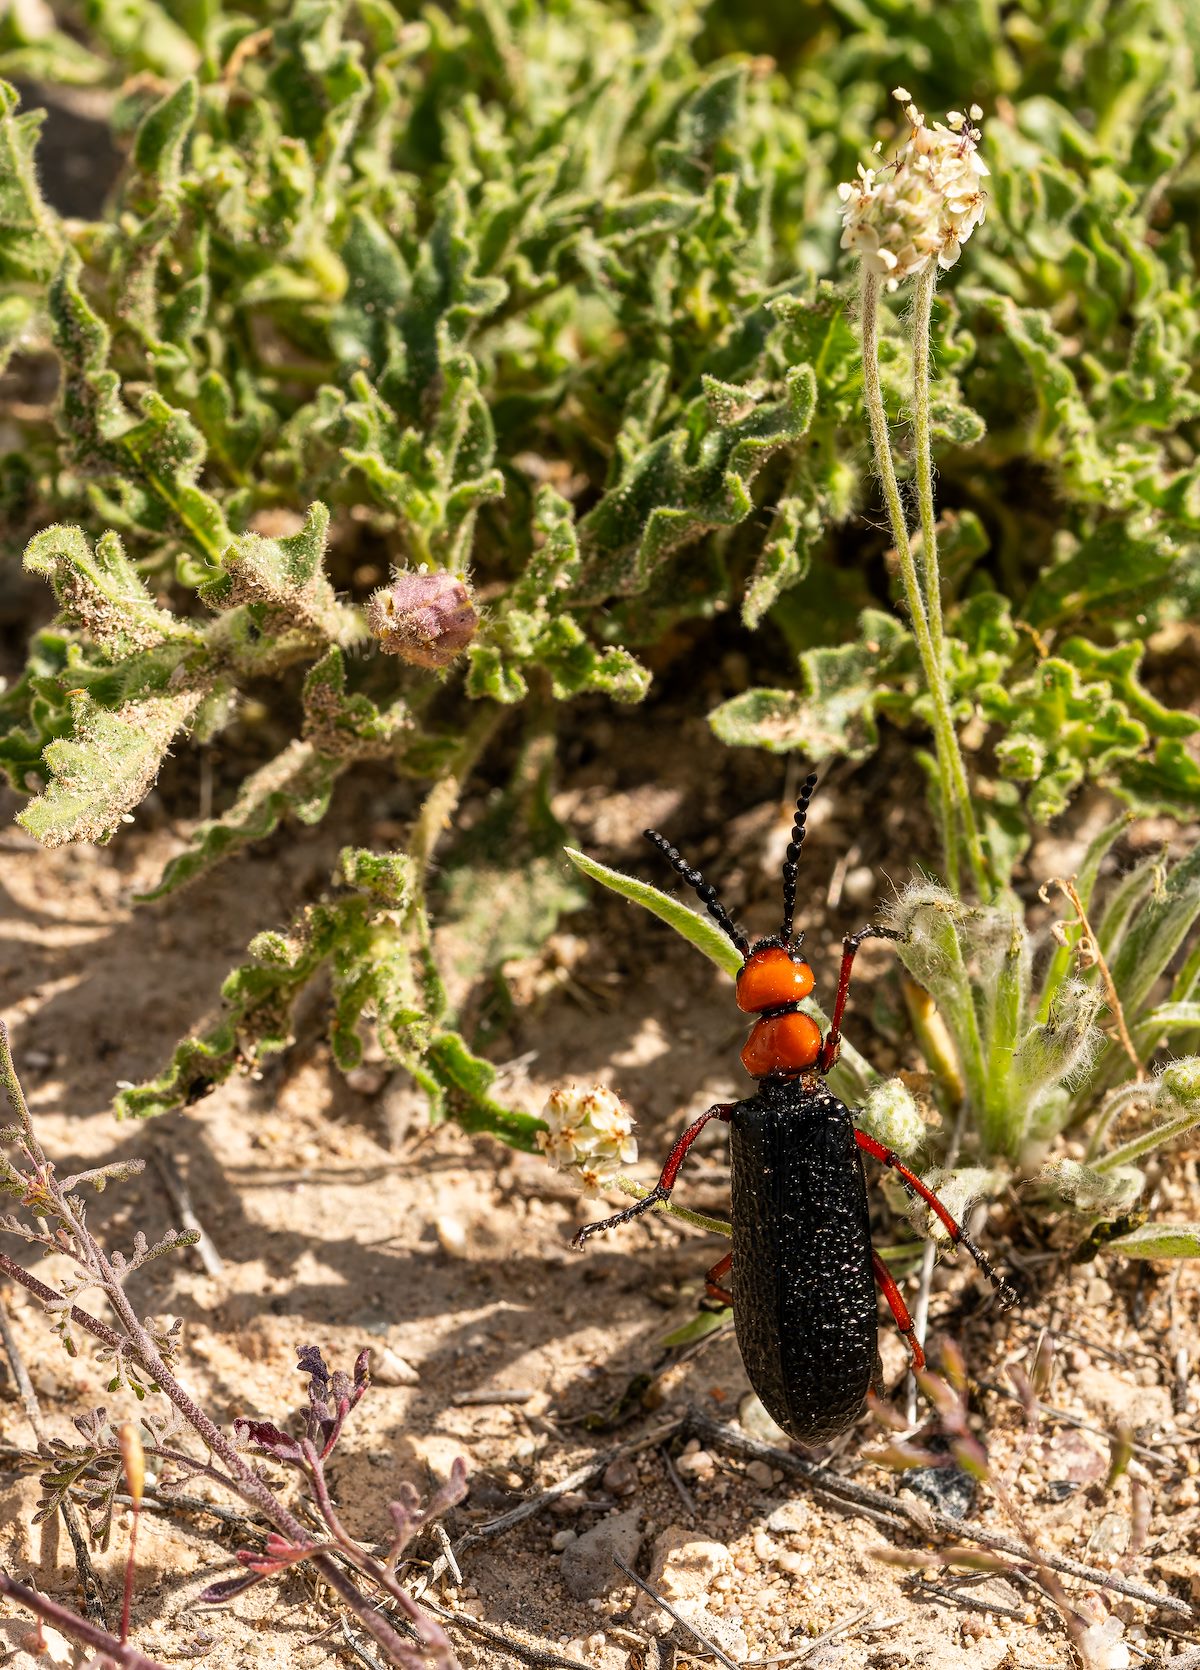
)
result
[(706, 891), (791, 859)]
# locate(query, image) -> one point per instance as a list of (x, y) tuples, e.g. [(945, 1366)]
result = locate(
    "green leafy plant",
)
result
[(547, 302), (1016, 1062)]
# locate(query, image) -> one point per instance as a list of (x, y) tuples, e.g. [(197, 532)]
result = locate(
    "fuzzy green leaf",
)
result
[(30, 239), (339, 729), (298, 782), (1166, 783), (463, 1079), (102, 593), (534, 630), (106, 767), (698, 930), (163, 132), (783, 561), (836, 714), (1157, 933), (693, 478), (1057, 728), (1110, 573), (148, 469), (356, 931)]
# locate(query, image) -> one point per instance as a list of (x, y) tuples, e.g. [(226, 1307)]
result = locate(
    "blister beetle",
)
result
[(804, 1269)]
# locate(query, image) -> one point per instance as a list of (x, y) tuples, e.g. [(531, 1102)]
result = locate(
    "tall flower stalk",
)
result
[(906, 220)]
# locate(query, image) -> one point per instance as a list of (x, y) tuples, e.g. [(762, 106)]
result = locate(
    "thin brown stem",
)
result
[(93, 1594), (1087, 950), (130, 1571)]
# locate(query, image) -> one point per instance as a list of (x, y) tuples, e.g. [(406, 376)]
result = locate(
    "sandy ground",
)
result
[(343, 1220)]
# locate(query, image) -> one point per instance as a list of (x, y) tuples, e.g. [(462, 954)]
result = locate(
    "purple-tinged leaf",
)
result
[(278, 1555), (311, 1362), (218, 1593), (268, 1438)]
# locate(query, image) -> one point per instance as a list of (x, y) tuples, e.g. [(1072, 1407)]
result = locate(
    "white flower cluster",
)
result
[(590, 1133), (922, 205)]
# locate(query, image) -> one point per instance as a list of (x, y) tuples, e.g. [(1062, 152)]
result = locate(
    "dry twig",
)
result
[(582, 1475), (810, 1648), (1087, 949), (177, 1193), (709, 1646)]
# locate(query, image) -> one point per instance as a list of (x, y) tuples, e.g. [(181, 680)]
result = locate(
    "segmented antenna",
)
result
[(791, 859), (706, 891)]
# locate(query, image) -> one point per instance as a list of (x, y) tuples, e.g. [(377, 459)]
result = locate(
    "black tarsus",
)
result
[(791, 859), (705, 890)]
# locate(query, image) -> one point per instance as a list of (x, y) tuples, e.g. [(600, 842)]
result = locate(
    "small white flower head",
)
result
[(924, 204), (590, 1133)]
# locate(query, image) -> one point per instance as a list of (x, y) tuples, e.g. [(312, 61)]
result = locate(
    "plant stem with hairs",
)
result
[(926, 284), (956, 808)]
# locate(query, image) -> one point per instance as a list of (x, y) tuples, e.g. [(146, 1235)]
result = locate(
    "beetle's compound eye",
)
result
[(782, 1044), (769, 979)]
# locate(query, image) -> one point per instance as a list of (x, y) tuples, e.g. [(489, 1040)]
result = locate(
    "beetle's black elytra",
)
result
[(804, 1270)]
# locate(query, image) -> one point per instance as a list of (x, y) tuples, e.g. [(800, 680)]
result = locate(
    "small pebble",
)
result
[(588, 1568), (388, 1368), (683, 1570), (620, 1477), (452, 1235), (698, 1465)]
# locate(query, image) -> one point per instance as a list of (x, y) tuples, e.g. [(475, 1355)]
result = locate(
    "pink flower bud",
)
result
[(427, 618)]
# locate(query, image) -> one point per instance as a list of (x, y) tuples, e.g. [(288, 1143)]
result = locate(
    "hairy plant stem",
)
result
[(930, 568), (956, 805), (1146, 1142), (716, 1226), (1115, 1103), (377, 1571)]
